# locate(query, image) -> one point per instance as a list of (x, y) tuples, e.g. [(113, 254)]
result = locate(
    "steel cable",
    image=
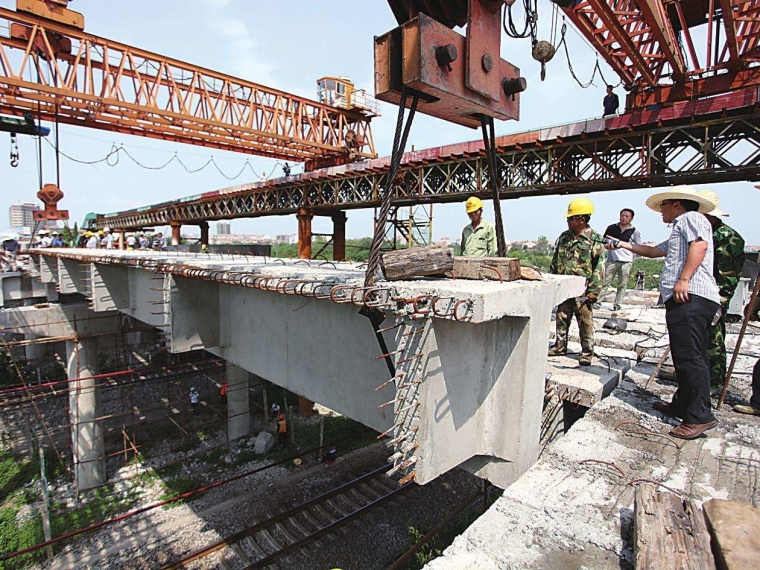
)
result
[(489, 142), (399, 143)]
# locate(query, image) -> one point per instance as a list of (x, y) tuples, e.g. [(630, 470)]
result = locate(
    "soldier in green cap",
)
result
[(579, 251), (727, 270)]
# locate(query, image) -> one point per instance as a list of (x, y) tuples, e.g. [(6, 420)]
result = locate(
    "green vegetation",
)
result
[(446, 536), (356, 249)]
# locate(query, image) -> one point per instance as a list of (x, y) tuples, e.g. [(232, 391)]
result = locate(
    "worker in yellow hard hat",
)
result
[(579, 251), (479, 236)]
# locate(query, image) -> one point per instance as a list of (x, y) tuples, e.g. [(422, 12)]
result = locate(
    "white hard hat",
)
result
[(106, 229)]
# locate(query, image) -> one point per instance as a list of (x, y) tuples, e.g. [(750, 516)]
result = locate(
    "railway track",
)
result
[(284, 536)]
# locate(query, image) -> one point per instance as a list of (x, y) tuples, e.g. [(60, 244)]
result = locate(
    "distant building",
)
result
[(444, 241), (286, 239), (223, 228), (22, 215)]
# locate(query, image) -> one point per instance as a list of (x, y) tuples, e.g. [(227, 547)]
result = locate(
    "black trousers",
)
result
[(688, 325), (755, 399)]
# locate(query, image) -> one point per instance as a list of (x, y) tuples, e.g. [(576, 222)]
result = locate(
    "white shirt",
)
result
[(687, 228)]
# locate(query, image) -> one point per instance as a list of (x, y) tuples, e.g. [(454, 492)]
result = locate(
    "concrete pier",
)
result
[(84, 407), (469, 356), (238, 416)]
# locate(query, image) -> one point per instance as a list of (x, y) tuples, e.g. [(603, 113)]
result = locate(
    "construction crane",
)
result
[(50, 67), (664, 51)]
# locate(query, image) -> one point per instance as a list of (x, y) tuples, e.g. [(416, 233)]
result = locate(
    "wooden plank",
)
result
[(670, 533), (417, 262), (733, 526), (495, 268)]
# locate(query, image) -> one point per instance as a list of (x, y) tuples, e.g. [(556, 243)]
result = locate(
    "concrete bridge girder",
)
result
[(478, 386)]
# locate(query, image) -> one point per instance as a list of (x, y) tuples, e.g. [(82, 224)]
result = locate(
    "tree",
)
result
[(542, 245)]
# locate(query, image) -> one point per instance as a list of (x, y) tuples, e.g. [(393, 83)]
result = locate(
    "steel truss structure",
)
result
[(60, 73), (673, 50), (579, 158)]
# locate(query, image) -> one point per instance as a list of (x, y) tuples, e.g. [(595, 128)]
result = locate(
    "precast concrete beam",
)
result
[(16, 286), (48, 269), (73, 277), (469, 356), (63, 321)]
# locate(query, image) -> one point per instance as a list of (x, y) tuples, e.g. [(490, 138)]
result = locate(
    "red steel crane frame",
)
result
[(640, 40), (82, 79)]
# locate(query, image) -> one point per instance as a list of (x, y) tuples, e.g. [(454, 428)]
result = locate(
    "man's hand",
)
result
[(681, 291)]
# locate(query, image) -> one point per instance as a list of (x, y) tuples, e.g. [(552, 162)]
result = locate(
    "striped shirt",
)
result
[(687, 228)]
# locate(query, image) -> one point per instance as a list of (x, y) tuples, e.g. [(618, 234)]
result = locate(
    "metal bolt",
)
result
[(486, 62), (444, 55), (513, 86)]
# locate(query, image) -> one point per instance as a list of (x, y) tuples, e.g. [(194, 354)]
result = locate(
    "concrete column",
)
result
[(33, 351), (238, 417), (204, 232), (122, 240), (304, 216), (176, 233), (84, 407), (339, 236)]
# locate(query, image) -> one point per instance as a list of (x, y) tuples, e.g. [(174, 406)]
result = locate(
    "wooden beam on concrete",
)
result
[(670, 532)]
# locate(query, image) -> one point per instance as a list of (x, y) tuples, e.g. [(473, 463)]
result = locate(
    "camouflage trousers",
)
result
[(585, 316), (716, 350)]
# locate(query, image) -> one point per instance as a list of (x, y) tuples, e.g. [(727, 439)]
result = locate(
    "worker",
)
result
[(728, 264), (691, 298), (753, 407), (286, 169), (275, 410), (10, 251), (194, 399), (131, 242), (142, 240), (579, 251), (619, 261), (282, 430), (479, 236), (45, 239), (611, 102), (107, 239), (57, 240), (92, 240)]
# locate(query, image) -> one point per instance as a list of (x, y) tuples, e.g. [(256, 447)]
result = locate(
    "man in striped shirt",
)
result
[(691, 297)]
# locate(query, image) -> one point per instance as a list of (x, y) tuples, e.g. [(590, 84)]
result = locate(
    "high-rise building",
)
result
[(223, 228), (22, 215)]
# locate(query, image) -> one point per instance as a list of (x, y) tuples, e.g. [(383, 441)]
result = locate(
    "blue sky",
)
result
[(288, 45)]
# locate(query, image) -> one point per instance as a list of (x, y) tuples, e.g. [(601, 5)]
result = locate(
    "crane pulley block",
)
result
[(457, 78), (50, 195)]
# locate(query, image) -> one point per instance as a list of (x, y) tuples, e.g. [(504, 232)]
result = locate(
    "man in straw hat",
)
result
[(727, 270), (692, 300)]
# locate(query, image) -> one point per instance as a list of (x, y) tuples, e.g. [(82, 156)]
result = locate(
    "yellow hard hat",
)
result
[(89, 234), (579, 207), (473, 204)]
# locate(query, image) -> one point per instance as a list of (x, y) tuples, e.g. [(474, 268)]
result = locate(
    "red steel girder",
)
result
[(710, 140), (86, 80)]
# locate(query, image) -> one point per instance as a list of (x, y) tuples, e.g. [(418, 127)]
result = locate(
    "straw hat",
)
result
[(680, 193), (715, 199)]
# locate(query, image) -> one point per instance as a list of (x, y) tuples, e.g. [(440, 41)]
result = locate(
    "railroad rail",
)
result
[(284, 535), (705, 141)]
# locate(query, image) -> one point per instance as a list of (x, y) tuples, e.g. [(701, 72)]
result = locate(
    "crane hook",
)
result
[(14, 150)]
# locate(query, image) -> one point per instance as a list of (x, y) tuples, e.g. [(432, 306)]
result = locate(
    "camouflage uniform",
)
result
[(581, 255), (727, 269)]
